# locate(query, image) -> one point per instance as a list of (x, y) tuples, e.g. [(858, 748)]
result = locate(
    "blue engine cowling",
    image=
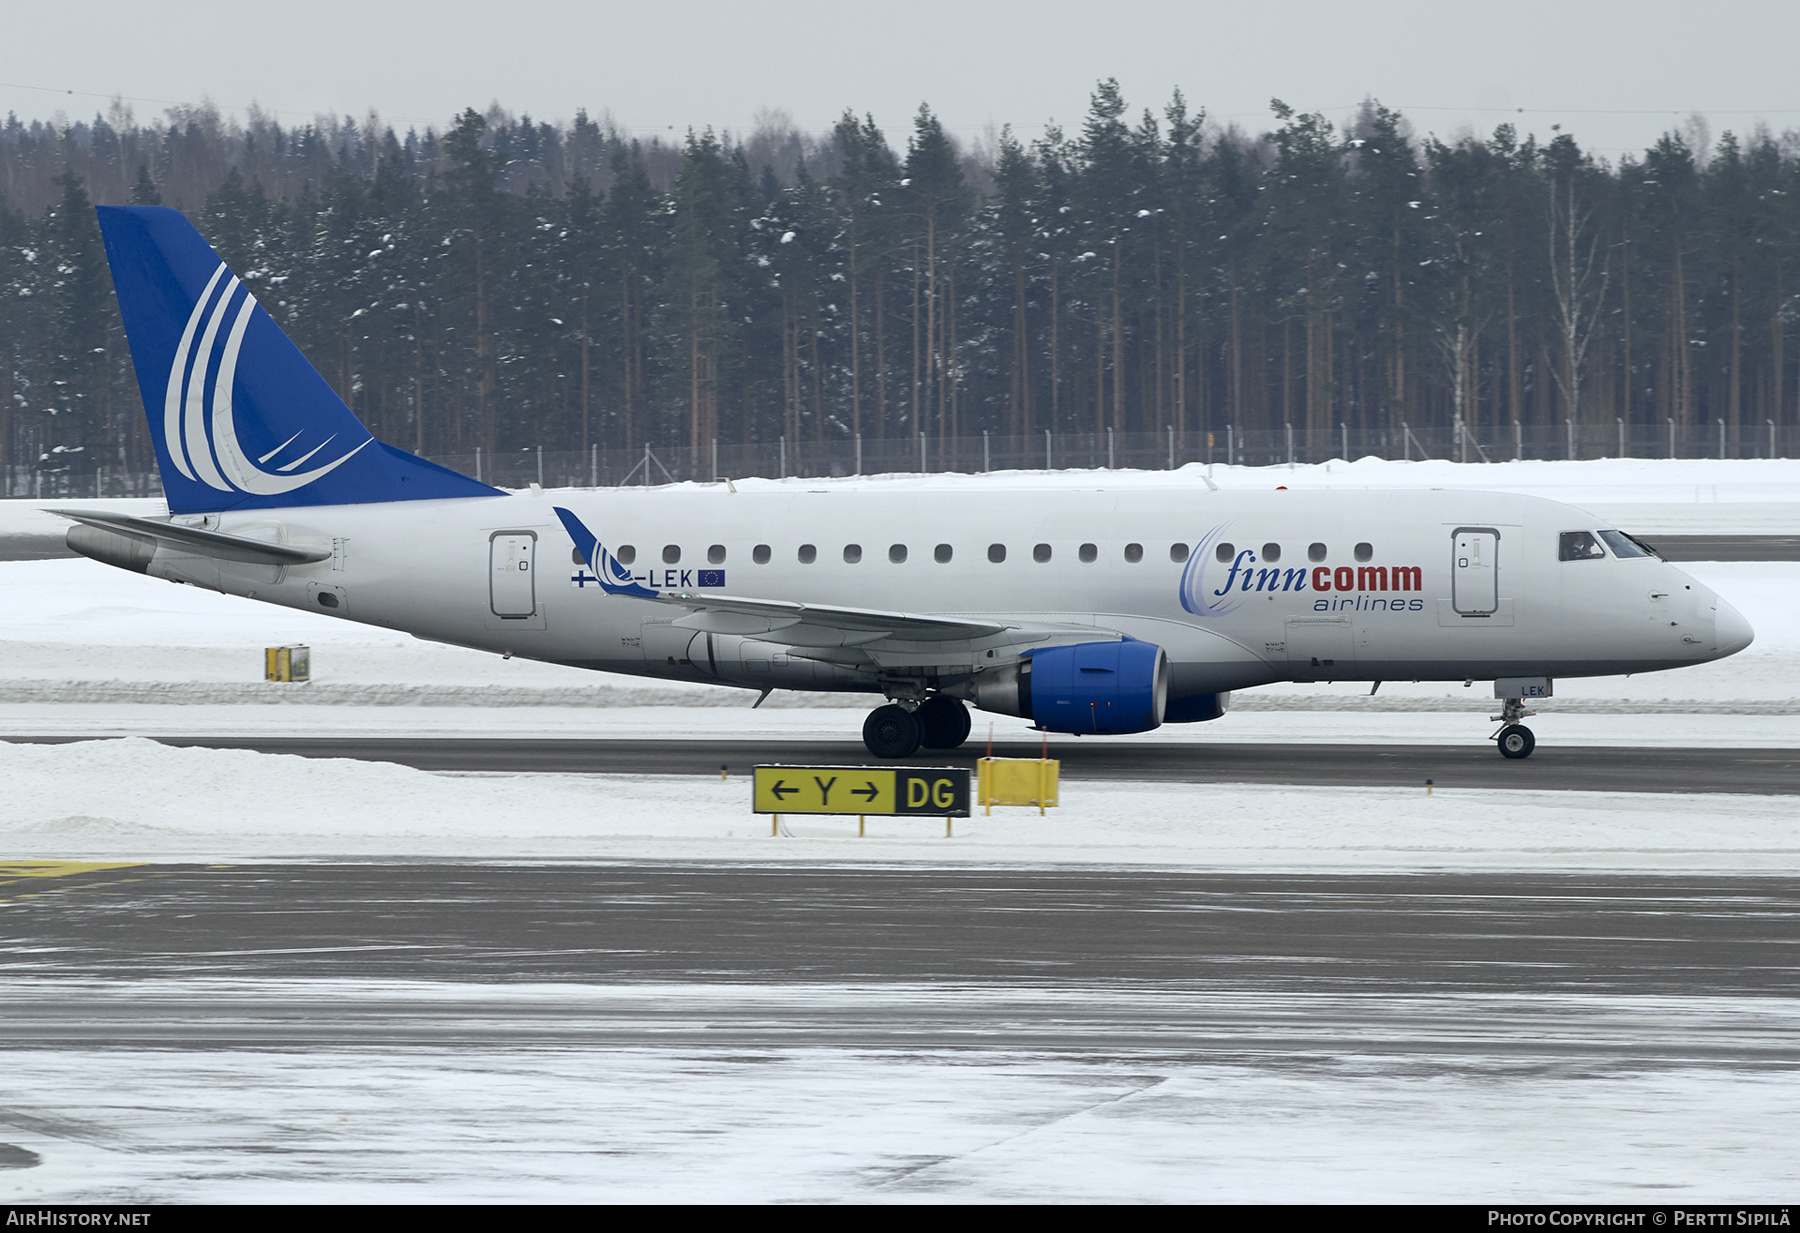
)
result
[(1092, 687)]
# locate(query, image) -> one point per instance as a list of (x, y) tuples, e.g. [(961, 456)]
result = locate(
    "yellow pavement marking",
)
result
[(10, 870)]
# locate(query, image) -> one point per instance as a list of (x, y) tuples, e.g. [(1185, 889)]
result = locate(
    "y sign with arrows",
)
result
[(937, 791)]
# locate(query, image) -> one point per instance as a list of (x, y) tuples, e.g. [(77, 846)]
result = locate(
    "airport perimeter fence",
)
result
[(1045, 450)]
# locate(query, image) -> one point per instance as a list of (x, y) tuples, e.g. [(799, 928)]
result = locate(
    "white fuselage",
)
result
[(498, 574)]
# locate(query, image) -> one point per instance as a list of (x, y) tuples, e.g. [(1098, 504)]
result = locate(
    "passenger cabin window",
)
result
[(671, 554), (852, 553), (942, 554), (575, 556), (760, 554), (716, 555), (1623, 545), (1225, 554), (1088, 554), (996, 553), (1134, 553), (808, 553), (1579, 546), (1315, 552), (1271, 553), (1178, 553), (1041, 553), (897, 554), (626, 554), (1365, 551)]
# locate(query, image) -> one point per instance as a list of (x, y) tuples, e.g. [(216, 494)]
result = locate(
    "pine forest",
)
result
[(1156, 282)]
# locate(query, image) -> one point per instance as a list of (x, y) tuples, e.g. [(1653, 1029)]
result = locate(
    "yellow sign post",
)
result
[(888, 791), (287, 663)]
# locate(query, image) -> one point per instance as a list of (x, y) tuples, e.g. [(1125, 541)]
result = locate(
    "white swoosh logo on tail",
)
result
[(177, 375), (221, 463)]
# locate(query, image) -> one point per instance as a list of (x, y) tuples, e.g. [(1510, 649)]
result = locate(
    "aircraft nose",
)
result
[(1732, 633)]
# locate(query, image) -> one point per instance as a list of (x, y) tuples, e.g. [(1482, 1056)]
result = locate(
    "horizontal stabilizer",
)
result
[(155, 533)]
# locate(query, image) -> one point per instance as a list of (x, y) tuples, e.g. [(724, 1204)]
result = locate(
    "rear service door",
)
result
[(512, 590), (1475, 571)]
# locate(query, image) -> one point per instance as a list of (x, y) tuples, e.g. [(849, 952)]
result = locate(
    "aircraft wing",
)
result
[(869, 637), (801, 624)]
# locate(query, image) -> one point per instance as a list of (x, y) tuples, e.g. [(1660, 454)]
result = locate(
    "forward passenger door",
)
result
[(1475, 571)]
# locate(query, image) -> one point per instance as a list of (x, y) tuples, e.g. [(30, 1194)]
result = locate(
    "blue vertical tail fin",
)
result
[(239, 418)]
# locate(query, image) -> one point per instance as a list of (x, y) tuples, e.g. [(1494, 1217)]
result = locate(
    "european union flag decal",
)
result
[(712, 577)]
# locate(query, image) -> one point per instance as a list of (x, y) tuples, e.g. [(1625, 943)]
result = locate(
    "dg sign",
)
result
[(941, 792)]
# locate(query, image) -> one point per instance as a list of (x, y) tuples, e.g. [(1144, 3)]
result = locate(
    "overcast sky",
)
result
[(1614, 73)]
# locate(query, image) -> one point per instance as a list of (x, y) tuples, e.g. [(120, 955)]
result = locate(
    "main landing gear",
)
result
[(899, 731), (1514, 738)]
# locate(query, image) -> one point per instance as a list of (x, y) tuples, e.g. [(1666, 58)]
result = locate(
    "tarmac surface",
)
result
[(1577, 768), (247, 956)]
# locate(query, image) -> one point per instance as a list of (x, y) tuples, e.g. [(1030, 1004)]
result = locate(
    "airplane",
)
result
[(1091, 610)]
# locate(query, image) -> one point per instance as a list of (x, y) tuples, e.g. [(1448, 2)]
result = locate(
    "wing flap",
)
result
[(791, 621)]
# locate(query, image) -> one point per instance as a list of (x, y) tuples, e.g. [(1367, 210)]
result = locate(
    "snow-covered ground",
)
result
[(133, 799)]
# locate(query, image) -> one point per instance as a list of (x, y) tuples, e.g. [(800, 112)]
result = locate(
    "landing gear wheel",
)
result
[(1516, 741), (943, 723), (891, 732)]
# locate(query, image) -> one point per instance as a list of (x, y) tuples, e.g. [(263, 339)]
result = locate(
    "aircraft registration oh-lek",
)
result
[(1084, 611)]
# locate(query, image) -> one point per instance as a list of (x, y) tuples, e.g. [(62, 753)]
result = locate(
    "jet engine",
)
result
[(1090, 687)]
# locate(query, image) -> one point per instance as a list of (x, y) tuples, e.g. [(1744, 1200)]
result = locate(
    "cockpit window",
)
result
[(1579, 546), (1623, 545)]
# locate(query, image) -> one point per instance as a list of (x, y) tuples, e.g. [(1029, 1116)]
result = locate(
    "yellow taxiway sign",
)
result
[(933, 791)]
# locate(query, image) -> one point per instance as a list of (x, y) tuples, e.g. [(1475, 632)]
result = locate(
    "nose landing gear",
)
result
[(1514, 738)]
